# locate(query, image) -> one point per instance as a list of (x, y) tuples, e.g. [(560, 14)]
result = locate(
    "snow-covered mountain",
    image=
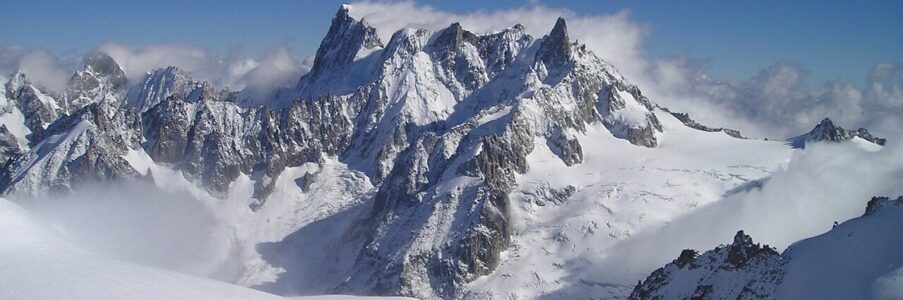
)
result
[(826, 131), (859, 258), (446, 164)]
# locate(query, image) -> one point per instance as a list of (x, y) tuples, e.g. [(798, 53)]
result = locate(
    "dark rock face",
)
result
[(555, 50), (876, 203), (449, 50), (215, 141), (566, 146), (743, 249), (828, 132), (9, 146)]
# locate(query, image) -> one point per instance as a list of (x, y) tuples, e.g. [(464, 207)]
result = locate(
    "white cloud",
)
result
[(277, 67), (778, 102), (616, 37), (140, 223), (41, 67), (274, 68), (138, 60)]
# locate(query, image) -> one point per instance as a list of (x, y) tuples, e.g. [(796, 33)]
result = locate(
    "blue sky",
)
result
[(832, 40)]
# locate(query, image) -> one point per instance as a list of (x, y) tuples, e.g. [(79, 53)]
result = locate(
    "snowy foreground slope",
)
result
[(38, 263), (439, 164), (860, 258)]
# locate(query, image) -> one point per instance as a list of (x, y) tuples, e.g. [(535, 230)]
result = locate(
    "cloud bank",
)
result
[(262, 73), (42, 67), (139, 223), (777, 102), (616, 37), (274, 68)]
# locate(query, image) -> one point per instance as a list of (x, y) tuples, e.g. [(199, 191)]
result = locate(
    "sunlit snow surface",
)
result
[(619, 190), (861, 258), (37, 262)]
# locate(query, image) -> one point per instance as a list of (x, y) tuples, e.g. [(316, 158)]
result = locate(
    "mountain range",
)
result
[(446, 164)]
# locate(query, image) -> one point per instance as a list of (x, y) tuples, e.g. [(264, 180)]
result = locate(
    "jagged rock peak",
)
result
[(102, 63), (556, 46), (741, 239), (346, 36), (827, 131), (347, 41), (100, 76), (454, 36), (743, 249), (159, 85), (560, 31), (877, 203), (16, 81)]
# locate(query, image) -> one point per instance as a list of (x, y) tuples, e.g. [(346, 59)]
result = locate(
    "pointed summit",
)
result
[(453, 37), (743, 249), (100, 75), (560, 31), (826, 124), (826, 131), (347, 40), (158, 86), (100, 80), (102, 63), (343, 15), (555, 50)]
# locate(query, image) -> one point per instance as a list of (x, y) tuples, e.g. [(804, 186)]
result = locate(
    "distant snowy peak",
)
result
[(86, 146), (102, 79), (27, 109), (859, 258), (826, 131), (34, 107), (161, 84)]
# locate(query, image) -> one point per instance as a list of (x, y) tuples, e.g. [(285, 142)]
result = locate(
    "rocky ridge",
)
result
[(744, 270)]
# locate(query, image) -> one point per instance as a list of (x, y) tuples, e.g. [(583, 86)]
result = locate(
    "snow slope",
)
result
[(36, 263), (857, 259), (568, 218), (303, 198), (860, 258)]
